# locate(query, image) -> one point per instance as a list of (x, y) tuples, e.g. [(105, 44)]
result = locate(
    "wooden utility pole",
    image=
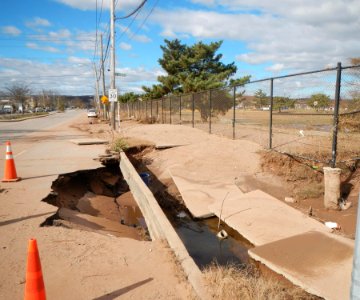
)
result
[(112, 62), (102, 74)]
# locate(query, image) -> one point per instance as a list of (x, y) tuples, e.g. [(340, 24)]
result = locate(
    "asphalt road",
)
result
[(43, 150), (19, 129)]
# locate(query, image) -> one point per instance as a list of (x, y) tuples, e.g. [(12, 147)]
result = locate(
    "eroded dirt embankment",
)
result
[(97, 200)]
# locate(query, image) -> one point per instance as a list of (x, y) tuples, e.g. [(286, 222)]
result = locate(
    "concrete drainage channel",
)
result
[(116, 201), (159, 226)]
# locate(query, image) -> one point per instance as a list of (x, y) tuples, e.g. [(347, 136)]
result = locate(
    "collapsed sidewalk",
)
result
[(206, 168)]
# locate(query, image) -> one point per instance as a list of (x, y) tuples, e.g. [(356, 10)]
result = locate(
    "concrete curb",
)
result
[(159, 226), (23, 119)]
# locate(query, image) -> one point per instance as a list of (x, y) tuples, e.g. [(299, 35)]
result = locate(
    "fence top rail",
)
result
[(303, 73), (260, 80)]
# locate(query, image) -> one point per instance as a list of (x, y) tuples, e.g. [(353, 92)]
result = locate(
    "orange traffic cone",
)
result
[(34, 286), (10, 170)]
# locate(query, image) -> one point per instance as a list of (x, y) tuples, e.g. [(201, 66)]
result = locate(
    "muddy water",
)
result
[(205, 247), (100, 200), (122, 209)]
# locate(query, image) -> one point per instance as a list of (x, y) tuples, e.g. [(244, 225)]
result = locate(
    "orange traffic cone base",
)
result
[(9, 170), (11, 180), (34, 285)]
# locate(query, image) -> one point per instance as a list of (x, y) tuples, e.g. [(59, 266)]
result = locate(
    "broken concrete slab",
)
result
[(199, 195), (318, 262), (89, 141), (262, 219)]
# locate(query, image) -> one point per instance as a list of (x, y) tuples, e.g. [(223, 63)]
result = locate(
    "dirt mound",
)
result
[(305, 180)]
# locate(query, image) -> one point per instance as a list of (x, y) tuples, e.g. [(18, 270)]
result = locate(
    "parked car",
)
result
[(39, 109), (8, 109), (92, 113)]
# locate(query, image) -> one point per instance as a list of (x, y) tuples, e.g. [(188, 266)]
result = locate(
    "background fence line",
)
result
[(285, 113)]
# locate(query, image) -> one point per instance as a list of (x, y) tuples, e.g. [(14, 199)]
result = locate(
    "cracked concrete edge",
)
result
[(159, 226), (295, 280), (284, 273)]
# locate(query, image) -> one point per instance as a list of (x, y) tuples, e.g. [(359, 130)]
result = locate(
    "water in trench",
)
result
[(198, 236), (200, 239), (100, 200)]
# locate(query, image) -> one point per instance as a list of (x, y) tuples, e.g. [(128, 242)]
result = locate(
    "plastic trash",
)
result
[(222, 234), (145, 177), (182, 215), (332, 225)]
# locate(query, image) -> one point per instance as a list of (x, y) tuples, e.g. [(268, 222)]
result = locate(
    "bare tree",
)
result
[(19, 93)]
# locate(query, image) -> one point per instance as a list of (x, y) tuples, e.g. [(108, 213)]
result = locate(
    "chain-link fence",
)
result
[(313, 115)]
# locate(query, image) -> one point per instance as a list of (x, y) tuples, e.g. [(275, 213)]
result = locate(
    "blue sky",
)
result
[(53, 44)]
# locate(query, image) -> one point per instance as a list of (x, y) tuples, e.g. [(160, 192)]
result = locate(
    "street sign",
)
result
[(113, 95), (120, 74), (104, 99)]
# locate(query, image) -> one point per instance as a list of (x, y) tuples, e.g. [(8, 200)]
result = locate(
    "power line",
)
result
[(96, 30), (142, 24), (48, 76), (46, 39), (133, 12), (128, 27)]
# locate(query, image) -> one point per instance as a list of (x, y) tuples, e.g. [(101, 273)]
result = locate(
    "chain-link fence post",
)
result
[(271, 111), (180, 109), (157, 111), (336, 115), (193, 110), (138, 105), (210, 107), (162, 110), (151, 114), (234, 113), (170, 109), (146, 110)]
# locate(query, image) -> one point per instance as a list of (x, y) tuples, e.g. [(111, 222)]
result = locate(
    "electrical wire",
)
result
[(49, 39), (133, 12), (96, 30), (128, 27), (50, 76), (144, 21)]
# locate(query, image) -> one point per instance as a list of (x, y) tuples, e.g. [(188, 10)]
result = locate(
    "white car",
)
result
[(92, 113)]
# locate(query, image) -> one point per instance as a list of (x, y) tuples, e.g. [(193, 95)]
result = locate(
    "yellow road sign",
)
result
[(104, 99)]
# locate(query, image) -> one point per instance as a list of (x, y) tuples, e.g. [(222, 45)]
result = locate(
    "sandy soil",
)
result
[(76, 263), (214, 158)]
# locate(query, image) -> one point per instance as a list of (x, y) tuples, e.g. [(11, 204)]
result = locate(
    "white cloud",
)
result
[(78, 60), (91, 4), (73, 76), (125, 46), (42, 48), (81, 40), (11, 30), (61, 34), (205, 2), (131, 35), (62, 77), (275, 68), (296, 35), (38, 22)]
